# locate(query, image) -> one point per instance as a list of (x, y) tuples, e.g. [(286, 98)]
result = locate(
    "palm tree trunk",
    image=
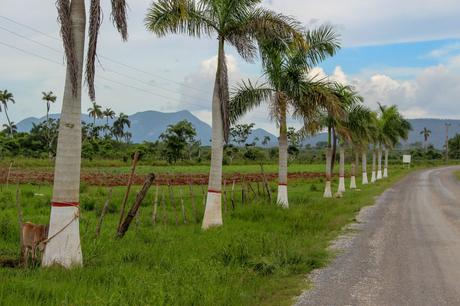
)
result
[(328, 188), (354, 166), (64, 248), (9, 121), (334, 149), (283, 157), (213, 211), (364, 166), (385, 169), (374, 157), (341, 187), (379, 169)]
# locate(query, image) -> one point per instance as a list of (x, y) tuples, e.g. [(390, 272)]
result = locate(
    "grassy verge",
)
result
[(260, 257)]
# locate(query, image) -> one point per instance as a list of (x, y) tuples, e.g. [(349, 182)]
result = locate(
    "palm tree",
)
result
[(96, 112), (393, 128), (240, 23), (49, 98), (426, 134), (108, 113), (266, 140), (10, 128), (287, 87), (5, 98), (118, 128), (64, 248), (359, 125)]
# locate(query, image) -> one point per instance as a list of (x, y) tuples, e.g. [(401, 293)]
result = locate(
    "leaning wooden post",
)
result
[(155, 206), (128, 189), (192, 199), (21, 238), (243, 196), (103, 212), (133, 211), (184, 217)]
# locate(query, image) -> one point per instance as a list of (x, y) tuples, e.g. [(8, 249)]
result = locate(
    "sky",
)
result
[(394, 52)]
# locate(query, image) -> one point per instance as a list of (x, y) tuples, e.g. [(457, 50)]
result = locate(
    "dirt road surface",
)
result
[(406, 250)]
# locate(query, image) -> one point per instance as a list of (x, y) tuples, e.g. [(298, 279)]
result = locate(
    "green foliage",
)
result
[(176, 139)]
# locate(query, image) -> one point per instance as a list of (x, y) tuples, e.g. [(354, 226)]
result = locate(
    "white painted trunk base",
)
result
[(385, 172), (373, 178), (341, 185), (365, 181), (379, 174), (327, 190), (353, 182), (213, 212), (63, 249), (283, 196)]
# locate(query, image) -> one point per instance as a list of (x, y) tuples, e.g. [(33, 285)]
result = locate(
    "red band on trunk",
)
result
[(282, 184), (214, 191), (65, 204), (342, 176)]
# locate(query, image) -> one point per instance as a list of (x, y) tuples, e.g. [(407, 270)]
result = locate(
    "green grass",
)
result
[(261, 256)]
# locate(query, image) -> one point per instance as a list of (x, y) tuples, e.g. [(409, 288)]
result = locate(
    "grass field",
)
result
[(260, 257)]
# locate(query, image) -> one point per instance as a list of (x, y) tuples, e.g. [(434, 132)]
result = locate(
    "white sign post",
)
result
[(407, 160)]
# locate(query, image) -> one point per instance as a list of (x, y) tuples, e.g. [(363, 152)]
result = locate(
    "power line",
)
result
[(109, 70), (107, 58), (100, 77)]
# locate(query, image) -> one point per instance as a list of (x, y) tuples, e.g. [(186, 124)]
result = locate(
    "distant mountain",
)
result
[(436, 126), (148, 126)]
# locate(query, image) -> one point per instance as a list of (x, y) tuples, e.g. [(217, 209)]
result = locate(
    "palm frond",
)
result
[(180, 17), (245, 97)]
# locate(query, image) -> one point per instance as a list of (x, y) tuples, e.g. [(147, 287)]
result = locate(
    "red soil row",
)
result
[(109, 179)]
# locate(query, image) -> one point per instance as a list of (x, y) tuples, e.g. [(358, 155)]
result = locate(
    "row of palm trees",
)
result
[(287, 52)]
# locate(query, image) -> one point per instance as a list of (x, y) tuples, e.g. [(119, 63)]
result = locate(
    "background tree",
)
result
[(95, 112), (5, 98), (426, 134), (118, 128), (241, 23), (176, 138), (49, 98), (10, 128), (241, 132), (266, 141)]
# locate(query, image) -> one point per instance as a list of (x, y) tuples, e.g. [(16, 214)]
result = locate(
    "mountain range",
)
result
[(148, 126)]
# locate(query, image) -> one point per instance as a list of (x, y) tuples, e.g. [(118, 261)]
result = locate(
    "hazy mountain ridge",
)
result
[(148, 125)]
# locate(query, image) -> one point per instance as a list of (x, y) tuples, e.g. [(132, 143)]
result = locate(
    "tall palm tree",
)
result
[(96, 112), (49, 98), (346, 124), (5, 98), (241, 23), (64, 247), (359, 125), (426, 134), (287, 87), (394, 128)]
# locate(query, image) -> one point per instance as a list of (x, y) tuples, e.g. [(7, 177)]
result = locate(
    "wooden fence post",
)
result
[(103, 212), (128, 189), (133, 211), (172, 202), (155, 206), (192, 199), (184, 217)]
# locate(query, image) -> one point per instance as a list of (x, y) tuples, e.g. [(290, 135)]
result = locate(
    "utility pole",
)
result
[(447, 141)]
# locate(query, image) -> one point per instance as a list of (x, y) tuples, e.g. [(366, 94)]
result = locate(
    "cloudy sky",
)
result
[(395, 52)]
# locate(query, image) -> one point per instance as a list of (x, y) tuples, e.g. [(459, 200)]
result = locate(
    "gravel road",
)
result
[(406, 250)]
